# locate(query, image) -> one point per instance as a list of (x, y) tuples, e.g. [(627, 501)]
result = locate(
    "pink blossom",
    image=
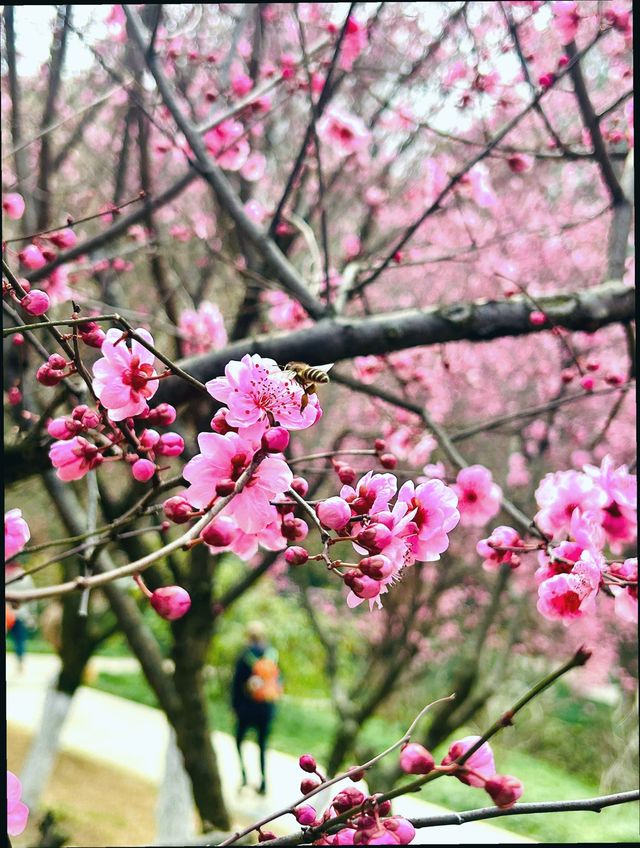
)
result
[(256, 390), (123, 376), (35, 302), (241, 84), (569, 596), (227, 144), (344, 132), (520, 163), (254, 168), (566, 19), (493, 558), (435, 514), (620, 517), (73, 458), (371, 494), (481, 761), (16, 533), (560, 493), (225, 458), (481, 190), (368, 367), (17, 810), (170, 602), (285, 312), (415, 759), (13, 205), (479, 498), (202, 330), (626, 597), (32, 258), (504, 790), (518, 472), (354, 42), (334, 513)]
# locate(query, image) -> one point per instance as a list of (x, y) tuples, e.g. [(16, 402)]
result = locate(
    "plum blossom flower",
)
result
[(227, 144), (16, 533), (489, 548), (256, 390), (620, 516), (285, 313), (560, 493), (479, 498), (223, 458), (566, 19), (481, 762), (124, 377), (435, 514), (353, 43), (17, 810), (569, 596), (371, 494), (345, 132), (202, 329), (73, 458), (13, 205)]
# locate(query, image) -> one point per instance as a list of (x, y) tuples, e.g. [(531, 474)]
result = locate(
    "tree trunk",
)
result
[(174, 810)]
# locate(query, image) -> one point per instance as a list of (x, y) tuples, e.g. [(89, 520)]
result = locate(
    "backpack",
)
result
[(264, 684)]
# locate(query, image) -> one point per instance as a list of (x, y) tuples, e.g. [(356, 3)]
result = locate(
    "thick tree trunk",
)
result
[(174, 810)]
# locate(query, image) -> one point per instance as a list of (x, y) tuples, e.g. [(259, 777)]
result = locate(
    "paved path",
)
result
[(137, 739)]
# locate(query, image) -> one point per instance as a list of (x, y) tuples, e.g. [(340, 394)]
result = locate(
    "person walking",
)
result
[(21, 620), (257, 686)]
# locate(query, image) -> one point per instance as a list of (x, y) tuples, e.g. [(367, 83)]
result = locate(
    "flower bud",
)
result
[(13, 205), (225, 487), (177, 509), (537, 318), (308, 763), (63, 428), (35, 302), (91, 334), (305, 815), (334, 513), (357, 775), (401, 828), (143, 470), (546, 80), (504, 790), (587, 382), (170, 444), (377, 567), (31, 257), (47, 376), (345, 837), (388, 460), (170, 602), (162, 415), (347, 798), (18, 339), (57, 362), (374, 538), (593, 365), (361, 585), (415, 759), (567, 375), (308, 784), (294, 529), (14, 396), (266, 835), (64, 238), (275, 440), (296, 555), (379, 445), (614, 379), (149, 438), (219, 423), (300, 486), (346, 474), (220, 532)]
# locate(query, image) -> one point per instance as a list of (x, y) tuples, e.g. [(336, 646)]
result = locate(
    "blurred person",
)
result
[(21, 621), (256, 688)]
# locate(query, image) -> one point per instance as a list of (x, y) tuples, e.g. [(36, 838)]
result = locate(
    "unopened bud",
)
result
[(35, 302), (275, 440), (225, 487), (415, 759), (347, 798), (143, 470), (177, 509), (305, 815), (296, 555), (220, 532), (388, 460), (170, 602), (308, 784), (504, 790), (308, 763)]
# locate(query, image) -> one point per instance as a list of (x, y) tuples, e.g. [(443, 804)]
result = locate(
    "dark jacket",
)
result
[(244, 706)]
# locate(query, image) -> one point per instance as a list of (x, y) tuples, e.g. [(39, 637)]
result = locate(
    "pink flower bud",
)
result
[(296, 555), (379, 445), (567, 375), (32, 257), (177, 509), (162, 415), (308, 763), (347, 798), (149, 439), (220, 532), (519, 164), (361, 585), (334, 513), (593, 365), (346, 474), (415, 759), (225, 487), (374, 538), (587, 382), (305, 815), (266, 835), (377, 567), (504, 790), (614, 379), (170, 602), (308, 784), (402, 829), (47, 376), (36, 302), (546, 80), (219, 423), (357, 775), (13, 205), (300, 486), (537, 318), (64, 238), (18, 339), (344, 837), (63, 428), (170, 444), (383, 807), (91, 334), (388, 460), (294, 529), (14, 396), (143, 470), (275, 440), (57, 362)]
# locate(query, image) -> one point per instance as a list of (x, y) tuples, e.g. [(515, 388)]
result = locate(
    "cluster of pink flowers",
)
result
[(202, 329), (17, 810), (263, 404), (228, 145), (387, 537), (343, 132)]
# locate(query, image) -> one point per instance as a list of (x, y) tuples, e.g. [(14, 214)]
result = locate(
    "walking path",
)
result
[(134, 737)]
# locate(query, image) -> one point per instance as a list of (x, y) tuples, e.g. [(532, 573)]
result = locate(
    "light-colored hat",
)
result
[(256, 631)]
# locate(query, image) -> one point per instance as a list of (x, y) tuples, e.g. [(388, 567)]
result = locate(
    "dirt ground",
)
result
[(96, 805)]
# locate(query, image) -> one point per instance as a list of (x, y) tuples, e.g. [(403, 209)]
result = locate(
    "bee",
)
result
[(308, 377)]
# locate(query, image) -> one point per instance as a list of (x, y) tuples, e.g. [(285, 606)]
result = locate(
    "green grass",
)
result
[(304, 725)]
